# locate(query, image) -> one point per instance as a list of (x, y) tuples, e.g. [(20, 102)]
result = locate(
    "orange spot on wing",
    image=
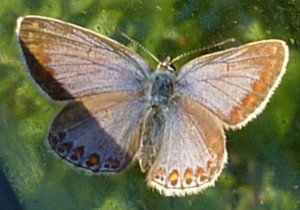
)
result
[(237, 115), (93, 160), (45, 72), (250, 101), (77, 153), (43, 59), (267, 76), (173, 178), (201, 174), (259, 87), (188, 176)]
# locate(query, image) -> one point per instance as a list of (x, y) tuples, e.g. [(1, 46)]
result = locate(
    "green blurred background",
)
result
[(264, 159)]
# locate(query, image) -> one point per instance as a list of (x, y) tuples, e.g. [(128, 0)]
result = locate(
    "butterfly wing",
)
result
[(235, 84), (100, 133), (192, 152), (68, 61)]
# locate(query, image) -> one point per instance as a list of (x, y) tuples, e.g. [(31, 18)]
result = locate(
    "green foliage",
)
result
[(264, 161)]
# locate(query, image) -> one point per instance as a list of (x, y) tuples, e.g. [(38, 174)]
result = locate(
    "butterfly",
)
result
[(120, 109)]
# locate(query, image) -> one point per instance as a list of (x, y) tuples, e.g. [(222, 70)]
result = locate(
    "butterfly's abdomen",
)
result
[(154, 123), (161, 89)]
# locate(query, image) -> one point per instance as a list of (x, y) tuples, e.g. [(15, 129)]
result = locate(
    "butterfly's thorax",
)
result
[(161, 89)]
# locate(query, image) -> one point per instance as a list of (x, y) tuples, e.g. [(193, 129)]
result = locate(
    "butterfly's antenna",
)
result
[(202, 49), (140, 46)]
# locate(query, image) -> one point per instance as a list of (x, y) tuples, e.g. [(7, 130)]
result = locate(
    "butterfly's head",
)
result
[(166, 66)]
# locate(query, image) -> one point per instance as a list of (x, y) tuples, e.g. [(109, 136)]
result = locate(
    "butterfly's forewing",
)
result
[(100, 133), (235, 84), (192, 152), (68, 61)]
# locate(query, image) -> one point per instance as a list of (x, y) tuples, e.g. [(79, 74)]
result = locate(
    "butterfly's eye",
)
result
[(171, 68)]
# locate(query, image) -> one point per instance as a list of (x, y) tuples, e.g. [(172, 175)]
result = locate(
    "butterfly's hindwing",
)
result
[(100, 133), (192, 153)]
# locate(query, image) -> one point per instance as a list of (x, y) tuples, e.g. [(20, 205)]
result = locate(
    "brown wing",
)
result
[(100, 133), (192, 152), (235, 84), (68, 61)]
